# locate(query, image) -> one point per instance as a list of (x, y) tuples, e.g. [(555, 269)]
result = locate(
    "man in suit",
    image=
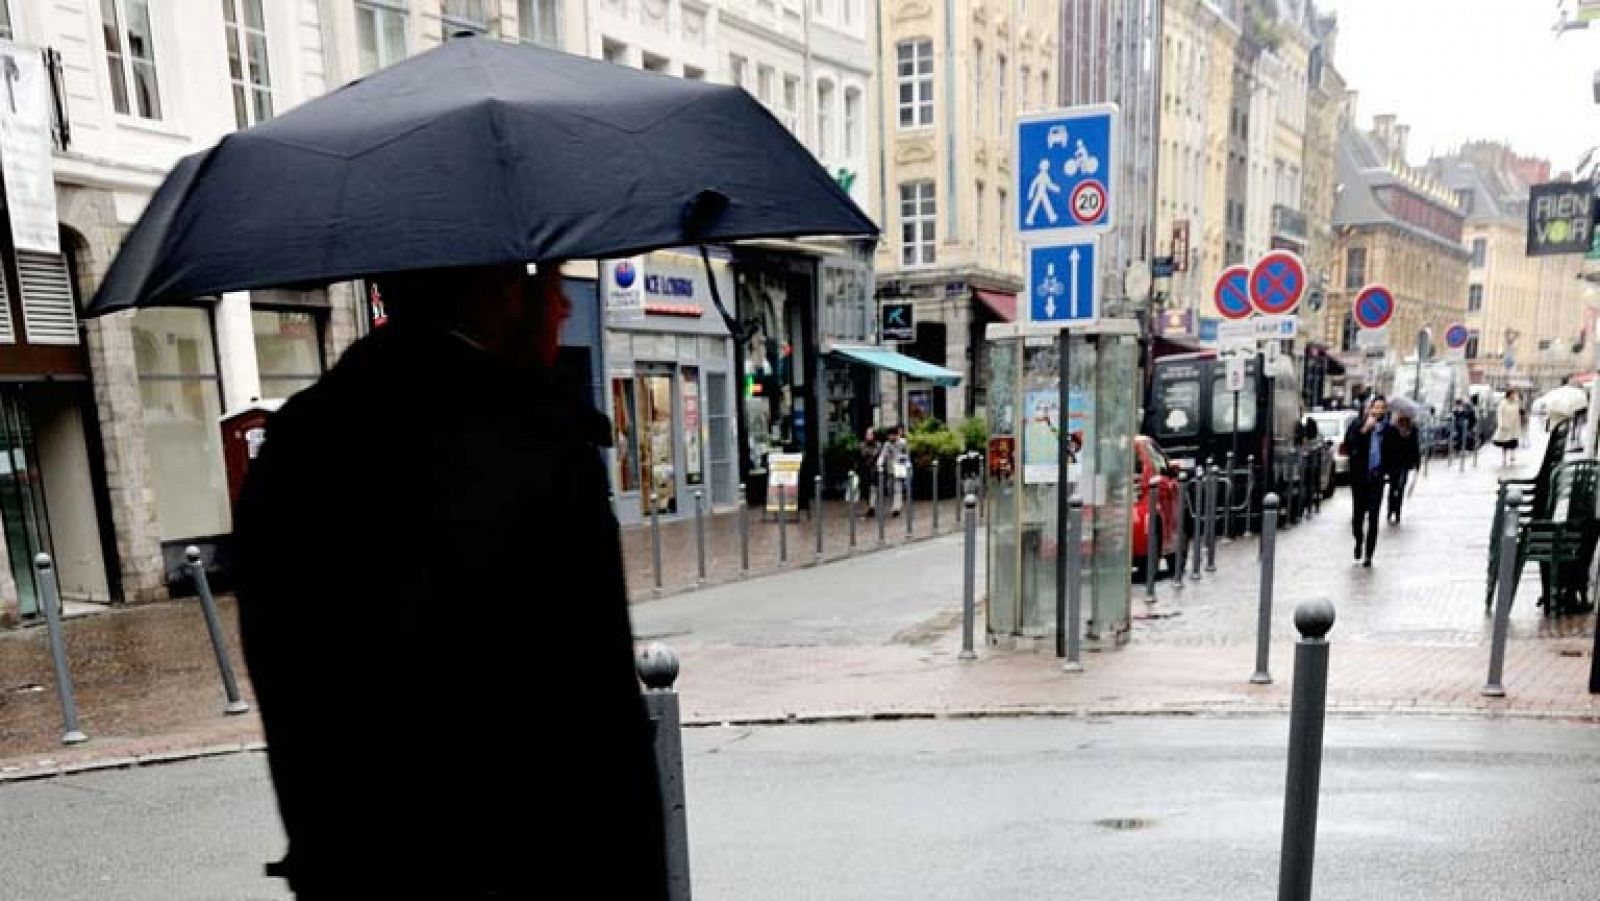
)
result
[(1374, 449)]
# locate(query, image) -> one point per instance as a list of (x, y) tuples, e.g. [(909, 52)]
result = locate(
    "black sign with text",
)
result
[(1560, 218), (898, 324)]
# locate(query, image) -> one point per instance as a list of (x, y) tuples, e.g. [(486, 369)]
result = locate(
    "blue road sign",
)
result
[(1066, 166), (1232, 293), (1374, 307), (1063, 283)]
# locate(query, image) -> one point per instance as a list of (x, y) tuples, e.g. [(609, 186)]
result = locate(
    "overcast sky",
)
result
[(1456, 70)]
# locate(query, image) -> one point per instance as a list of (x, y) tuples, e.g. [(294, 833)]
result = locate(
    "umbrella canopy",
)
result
[(476, 153), (1400, 405), (1564, 402)]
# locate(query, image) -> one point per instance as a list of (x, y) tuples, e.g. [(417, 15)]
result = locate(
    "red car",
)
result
[(1148, 460)]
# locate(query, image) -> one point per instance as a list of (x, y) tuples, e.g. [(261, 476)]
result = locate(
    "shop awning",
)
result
[(910, 367), (1002, 305)]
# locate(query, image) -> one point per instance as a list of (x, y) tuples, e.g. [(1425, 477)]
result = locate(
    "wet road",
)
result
[(1411, 808)]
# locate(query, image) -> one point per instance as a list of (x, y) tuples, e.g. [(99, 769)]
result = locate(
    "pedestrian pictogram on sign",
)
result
[(1063, 283), (1066, 161), (1277, 282), (1232, 292), (1374, 307)]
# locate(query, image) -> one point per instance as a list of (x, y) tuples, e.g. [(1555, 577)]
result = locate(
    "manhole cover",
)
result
[(1125, 824)]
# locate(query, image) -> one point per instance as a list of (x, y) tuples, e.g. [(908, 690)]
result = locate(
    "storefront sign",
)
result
[(898, 322), (624, 289), (25, 150), (1180, 245), (1560, 218), (783, 481)]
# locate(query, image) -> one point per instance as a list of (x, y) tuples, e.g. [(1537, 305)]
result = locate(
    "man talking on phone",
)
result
[(1374, 452)]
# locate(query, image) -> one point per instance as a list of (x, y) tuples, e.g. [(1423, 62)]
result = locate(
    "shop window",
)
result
[(131, 57), (245, 31), (288, 349), (694, 424), (625, 476), (182, 399), (380, 34), (657, 449)]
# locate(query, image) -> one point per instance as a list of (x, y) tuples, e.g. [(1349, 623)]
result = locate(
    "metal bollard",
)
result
[(854, 493), (1199, 512), (969, 579), (935, 495), (1152, 537), (1307, 711), (883, 508), (1211, 520), (1249, 492), (658, 670), (1507, 592), (816, 515), (1269, 539), (655, 540), (905, 488), (783, 527), (1181, 558), (50, 603), (744, 533), (1227, 499), (1074, 568), (208, 606), (700, 532)]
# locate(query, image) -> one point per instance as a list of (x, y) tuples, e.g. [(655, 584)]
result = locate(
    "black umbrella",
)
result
[(476, 153)]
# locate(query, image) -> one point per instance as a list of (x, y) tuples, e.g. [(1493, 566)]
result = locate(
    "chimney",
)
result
[(1383, 129), (1401, 133)]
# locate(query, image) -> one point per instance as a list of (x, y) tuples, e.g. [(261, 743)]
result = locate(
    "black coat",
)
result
[(1397, 451), (435, 620)]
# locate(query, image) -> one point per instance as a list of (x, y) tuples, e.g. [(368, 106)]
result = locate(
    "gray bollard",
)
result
[(1199, 514), (1507, 592), (50, 603), (1152, 537), (1211, 519), (744, 532), (935, 495), (1074, 568), (700, 533), (969, 579), (1269, 540), (1181, 558), (1307, 712), (1227, 499), (655, 541), (783, 527), (906, 489), (854, 493), (816, 514), (883, 508), (658, 669), (208, 606), (1249, 492)]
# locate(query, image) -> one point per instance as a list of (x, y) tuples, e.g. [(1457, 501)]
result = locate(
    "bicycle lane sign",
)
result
[(1066, 171)]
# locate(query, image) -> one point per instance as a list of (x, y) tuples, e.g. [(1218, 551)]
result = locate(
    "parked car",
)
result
[(1148, 459), (1331, 426)]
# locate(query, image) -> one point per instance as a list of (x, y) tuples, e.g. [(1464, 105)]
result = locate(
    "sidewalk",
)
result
[(877, 635)]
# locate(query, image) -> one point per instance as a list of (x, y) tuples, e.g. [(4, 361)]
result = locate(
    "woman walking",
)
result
[(1408, 458), (1508, 431)]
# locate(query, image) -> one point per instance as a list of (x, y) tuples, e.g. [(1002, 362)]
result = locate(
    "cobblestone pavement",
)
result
[(877, 634)]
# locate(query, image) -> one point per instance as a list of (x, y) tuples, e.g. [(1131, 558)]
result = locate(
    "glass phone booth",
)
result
[(1022, 396)]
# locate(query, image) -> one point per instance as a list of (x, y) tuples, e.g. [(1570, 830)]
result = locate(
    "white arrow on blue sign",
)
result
[(1064, 283), (1066, 166)]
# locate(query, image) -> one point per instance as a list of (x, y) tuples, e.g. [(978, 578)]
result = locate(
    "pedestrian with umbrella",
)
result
[(426, 557)]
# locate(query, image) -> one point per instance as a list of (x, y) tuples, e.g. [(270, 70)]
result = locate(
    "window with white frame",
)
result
[(852, 123), (694, 73), (764, 78), (131, 57), (914, 78), (1002, 217), (5, 20), (248, 69), (825, 119), (849, 9), (977, 211), (918, 219), (1045, 100), (463, 15), (539, 22), (1002, 112), (736, 69), (791, 102), (380, 33), (1024, 86), (614, 52), (977, 88)]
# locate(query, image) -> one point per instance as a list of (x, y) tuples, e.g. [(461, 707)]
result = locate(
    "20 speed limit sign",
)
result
[(1088, 200)]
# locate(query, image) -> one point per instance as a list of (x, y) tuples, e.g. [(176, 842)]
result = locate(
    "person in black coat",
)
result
[(1408, 457), (1375, 454), (434, 614)]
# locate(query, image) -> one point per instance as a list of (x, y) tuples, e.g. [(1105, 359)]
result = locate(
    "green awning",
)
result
[(910, 367)]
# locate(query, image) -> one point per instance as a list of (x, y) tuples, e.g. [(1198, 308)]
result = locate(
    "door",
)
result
[(719, 418), (22, 503), (657, 447)]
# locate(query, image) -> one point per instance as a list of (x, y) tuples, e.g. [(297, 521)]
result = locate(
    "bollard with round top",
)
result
[(208, 606), (1269, 538), (658, 670), (1507, 585), (658, 667), (969, 576), (1307, 713), (50, 603)]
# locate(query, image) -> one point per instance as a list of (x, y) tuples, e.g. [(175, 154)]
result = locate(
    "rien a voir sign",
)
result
[(1560, 218)]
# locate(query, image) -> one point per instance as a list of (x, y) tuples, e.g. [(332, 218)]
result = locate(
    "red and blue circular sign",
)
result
[(624, 274), (1277, 283), (1455, 337), (1232, 292), (1374, 307)]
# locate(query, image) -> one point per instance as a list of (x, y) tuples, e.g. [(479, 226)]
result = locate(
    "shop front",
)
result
[(670, 388)]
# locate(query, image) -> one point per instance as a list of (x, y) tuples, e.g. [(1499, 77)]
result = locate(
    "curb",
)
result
[(45, 769)]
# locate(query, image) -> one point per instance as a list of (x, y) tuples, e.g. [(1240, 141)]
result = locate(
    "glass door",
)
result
[(22, 506), (719, 416), (657, 448)]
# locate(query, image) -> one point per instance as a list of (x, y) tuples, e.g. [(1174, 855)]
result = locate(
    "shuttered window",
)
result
[(48, 312), (8, 335)]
